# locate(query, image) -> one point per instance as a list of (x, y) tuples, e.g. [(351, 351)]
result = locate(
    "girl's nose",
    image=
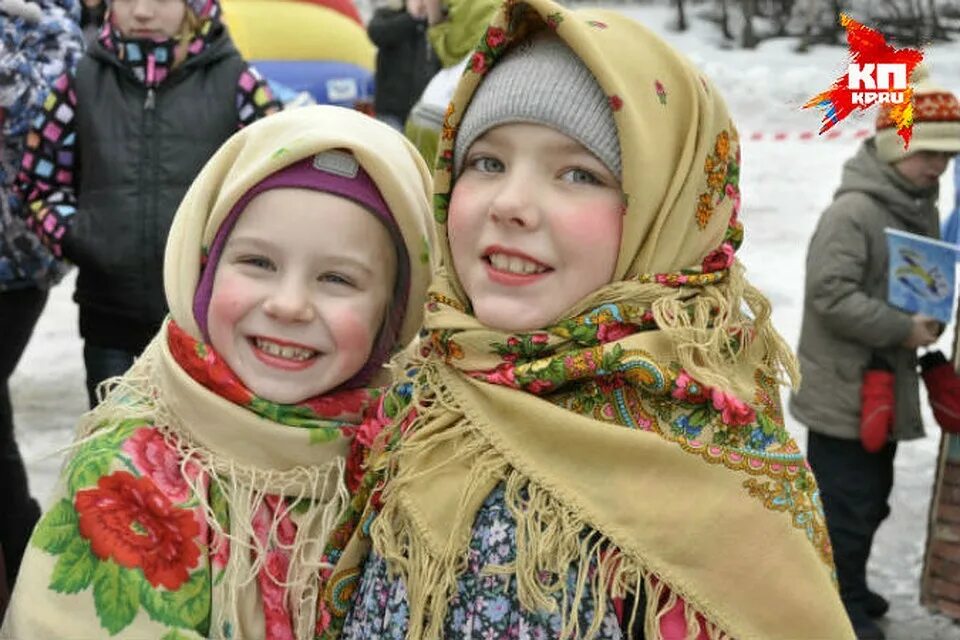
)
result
[(290, 302), (142, 9), (514, 204)]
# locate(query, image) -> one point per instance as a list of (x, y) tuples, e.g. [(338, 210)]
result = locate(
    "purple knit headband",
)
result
[(338, 173)]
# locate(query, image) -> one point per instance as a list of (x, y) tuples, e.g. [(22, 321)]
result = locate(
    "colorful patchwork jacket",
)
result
[(38, 43)]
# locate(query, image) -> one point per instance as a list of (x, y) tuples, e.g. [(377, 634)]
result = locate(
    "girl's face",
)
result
[(148, 19), (534, 225), (300, 292)]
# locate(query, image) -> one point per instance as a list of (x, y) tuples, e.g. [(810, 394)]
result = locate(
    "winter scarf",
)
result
[(152, 60), (641, 434), (189, 506)]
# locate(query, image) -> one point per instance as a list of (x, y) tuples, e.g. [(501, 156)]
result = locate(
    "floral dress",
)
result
[(486, 606)]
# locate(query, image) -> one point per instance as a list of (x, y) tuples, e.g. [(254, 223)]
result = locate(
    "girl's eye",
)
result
[(486, 164), (259, 262), (336, 278), (580, 176)]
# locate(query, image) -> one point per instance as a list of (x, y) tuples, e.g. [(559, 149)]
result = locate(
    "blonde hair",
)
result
[(188, 31)]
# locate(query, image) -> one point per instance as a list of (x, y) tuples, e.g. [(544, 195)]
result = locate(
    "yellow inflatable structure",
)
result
[(293, 30)]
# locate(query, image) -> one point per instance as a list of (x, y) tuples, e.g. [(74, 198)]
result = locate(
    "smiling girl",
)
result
[(201, 497), (589, 442), (116, 148)]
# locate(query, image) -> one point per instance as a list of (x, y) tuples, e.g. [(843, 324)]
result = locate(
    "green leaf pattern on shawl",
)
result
[(57, 529), (187, 607), (118, 593), (75, 568)]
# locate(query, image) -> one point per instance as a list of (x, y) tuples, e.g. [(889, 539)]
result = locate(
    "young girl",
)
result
[(591, 443), (199, 501), (117, 146)]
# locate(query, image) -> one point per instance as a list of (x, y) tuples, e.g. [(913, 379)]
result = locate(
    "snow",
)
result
[(786, 184)]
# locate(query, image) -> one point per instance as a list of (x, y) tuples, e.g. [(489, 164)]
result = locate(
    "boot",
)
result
[(876, 409), (943, 390)]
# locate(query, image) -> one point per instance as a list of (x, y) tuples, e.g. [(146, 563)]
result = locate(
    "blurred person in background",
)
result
[(860, 394), (405, 58), (39, 41), (92, 14)]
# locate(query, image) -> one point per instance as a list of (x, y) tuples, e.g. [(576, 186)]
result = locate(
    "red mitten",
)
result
[(876, 409), (943, 390)]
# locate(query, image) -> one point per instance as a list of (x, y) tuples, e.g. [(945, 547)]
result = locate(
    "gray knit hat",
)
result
[(542, 82)]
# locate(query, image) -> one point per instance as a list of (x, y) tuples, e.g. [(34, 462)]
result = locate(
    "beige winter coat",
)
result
[(846, 318)]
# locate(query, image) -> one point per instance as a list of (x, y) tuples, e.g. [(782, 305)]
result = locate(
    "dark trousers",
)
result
[(855, 488), (102, 363), (19, 311)]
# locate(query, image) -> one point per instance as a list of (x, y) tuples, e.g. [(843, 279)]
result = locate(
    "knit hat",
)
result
[(338, 173), (936, 122), (543, 81)]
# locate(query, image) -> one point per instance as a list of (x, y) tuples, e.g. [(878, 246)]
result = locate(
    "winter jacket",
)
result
[(111, 158), (405, 60), (846, 319), (38, 43)]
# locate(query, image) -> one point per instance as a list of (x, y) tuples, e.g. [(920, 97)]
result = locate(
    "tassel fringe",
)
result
[(136, 396), (552, 540)]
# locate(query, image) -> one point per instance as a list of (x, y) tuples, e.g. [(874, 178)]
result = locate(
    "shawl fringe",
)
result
[(317, 494), (712, 328), (551, 539)]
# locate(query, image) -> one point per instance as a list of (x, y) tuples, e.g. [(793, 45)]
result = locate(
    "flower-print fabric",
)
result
[(485, 605)]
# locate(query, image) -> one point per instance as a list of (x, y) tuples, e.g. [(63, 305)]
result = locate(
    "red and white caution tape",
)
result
[(832, 134)]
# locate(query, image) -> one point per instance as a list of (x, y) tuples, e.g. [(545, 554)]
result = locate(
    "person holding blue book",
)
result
[(860, 394)]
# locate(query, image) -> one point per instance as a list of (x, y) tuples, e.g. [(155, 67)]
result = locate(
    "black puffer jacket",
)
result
[(405, 60), (140, 149)]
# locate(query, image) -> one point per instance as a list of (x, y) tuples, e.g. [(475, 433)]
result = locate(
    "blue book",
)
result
[(922, 274)]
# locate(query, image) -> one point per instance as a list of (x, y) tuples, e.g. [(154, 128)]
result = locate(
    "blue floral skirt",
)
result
[(484, 607)]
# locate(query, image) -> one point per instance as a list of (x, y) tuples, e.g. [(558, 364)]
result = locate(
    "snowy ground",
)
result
[(786, 184)]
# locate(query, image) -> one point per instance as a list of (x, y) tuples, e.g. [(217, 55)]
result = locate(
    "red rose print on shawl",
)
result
[(271, 579), (342, 403), (719, 259), (612, 331), (204, 365), (155, 458), (128, 519)]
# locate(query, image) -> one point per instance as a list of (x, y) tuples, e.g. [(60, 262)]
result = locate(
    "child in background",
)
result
[(117, 146), (405, 59), (199, 498), (589, 442)]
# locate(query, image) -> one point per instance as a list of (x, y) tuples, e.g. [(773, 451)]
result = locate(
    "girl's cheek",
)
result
[(458, 211), (229, 300), (591, 225), (353, 330)]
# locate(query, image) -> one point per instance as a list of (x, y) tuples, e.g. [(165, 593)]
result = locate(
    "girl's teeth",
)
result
[(284, 351), (514, 264)]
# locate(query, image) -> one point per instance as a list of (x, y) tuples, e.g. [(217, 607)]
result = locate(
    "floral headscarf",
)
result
[(205, 507), (642, 432)]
